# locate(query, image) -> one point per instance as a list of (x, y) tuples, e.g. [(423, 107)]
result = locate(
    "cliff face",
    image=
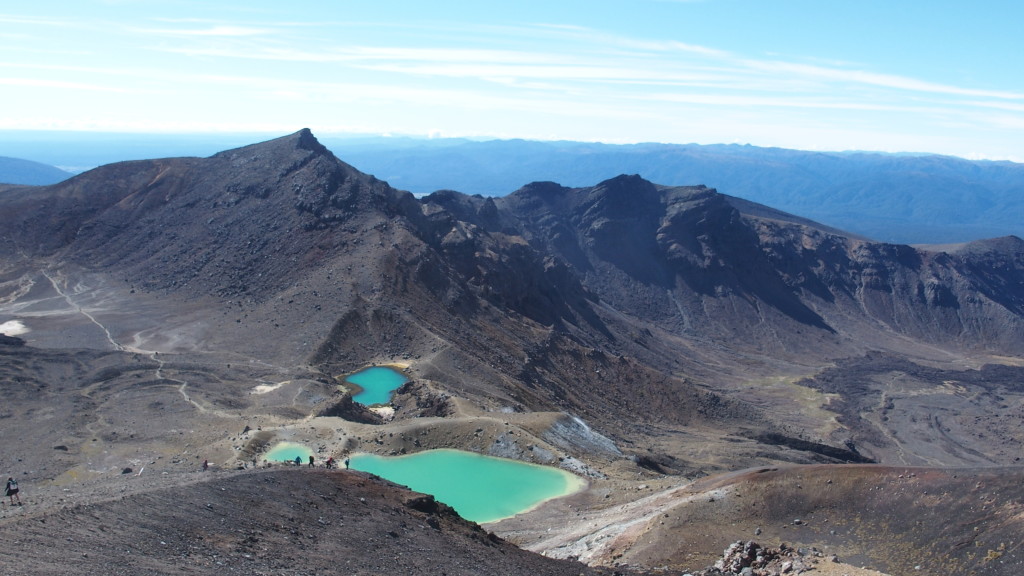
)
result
[(957, 298), (690, 262)]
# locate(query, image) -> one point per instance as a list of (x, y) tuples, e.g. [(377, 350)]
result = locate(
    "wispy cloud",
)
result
[(586, 55), (220, 30), (589, 37), (58, 84), (547, 69), (36, 21), (871, 79)]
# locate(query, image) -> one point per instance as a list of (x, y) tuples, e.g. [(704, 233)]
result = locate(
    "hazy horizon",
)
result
[(79, 151)]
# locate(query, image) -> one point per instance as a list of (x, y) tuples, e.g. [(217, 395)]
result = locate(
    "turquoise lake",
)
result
[(480, 488), (376, 384), (287, 451)]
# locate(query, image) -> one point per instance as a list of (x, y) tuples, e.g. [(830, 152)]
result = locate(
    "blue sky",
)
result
[(920, 76)]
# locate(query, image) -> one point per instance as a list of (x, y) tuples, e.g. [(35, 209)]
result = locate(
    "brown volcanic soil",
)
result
[(899, 520)]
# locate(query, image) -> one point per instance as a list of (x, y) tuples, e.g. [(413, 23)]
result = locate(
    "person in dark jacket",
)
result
[(12, 490)]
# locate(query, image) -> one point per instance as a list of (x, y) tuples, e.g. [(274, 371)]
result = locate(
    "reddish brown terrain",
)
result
[(715, 369)]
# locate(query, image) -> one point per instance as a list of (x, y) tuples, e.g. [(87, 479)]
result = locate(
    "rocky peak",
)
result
[(622, 197), (300, 142), (304, 139)]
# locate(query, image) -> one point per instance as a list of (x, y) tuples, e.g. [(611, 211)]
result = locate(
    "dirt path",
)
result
[(79, 309)]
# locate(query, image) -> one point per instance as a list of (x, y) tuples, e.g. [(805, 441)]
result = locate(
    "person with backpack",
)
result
[(12, 490)]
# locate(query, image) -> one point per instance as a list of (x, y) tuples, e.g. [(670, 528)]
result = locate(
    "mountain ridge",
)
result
[(670, 257), (693, 333), (901, 198), (893, 198), (277, 199)]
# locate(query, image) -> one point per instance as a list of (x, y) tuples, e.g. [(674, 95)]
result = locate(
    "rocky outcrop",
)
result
[(751, 559), (342, 406)]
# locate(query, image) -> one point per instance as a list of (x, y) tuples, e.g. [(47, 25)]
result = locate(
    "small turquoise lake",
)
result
[(480, 488), (287, 451), (375, 384)]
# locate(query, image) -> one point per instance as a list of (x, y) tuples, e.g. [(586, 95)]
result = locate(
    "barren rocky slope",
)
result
[(900, 520), (640, 335), (264, 522)]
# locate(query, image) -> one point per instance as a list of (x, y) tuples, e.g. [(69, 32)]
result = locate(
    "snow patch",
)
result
[(13, 328)]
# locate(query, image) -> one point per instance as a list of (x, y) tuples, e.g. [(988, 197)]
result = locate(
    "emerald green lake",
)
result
[(376, 384), (480, 488), (287, 451)]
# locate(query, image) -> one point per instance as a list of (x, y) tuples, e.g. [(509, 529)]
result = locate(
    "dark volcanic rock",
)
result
[(621, 301), (343, 406), (263, 522), (689, 261), (644, 330), (253, 221), (6, 340), (239, 222)]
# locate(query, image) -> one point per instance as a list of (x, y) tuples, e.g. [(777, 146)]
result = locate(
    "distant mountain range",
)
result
[(908, 199), (18, 171)]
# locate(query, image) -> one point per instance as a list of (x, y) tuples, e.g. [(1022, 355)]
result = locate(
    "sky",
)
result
[(936, 76)]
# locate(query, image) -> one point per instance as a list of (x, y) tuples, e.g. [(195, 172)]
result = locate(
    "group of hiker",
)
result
[(330, 463), (11, 490)]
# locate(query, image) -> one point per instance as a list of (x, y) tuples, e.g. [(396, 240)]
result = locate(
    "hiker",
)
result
[(298, 460), (206, 465), (330, 463), (311, 464), (12, 490), (346, 462)]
